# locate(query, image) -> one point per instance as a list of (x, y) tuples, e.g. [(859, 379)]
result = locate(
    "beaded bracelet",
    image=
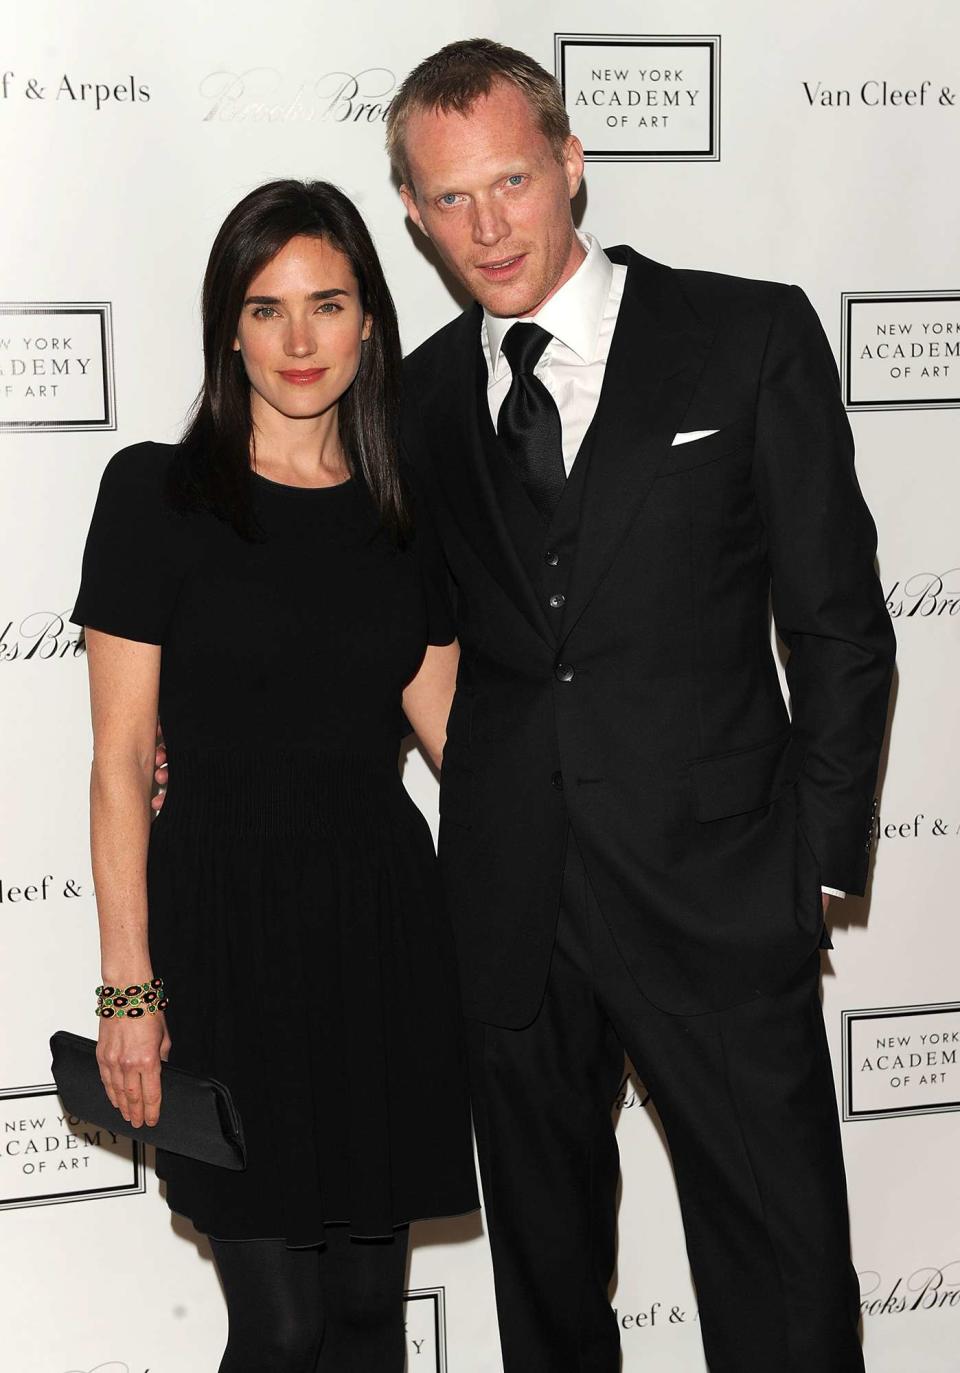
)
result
[(139, 998)]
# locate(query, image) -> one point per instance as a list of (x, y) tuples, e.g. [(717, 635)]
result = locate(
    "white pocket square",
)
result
[(693, 434)]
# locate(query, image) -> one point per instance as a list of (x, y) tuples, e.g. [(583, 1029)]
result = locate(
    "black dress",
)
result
[(294, 909)]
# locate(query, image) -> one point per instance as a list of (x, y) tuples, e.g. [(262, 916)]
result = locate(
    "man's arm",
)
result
[(827, 601)]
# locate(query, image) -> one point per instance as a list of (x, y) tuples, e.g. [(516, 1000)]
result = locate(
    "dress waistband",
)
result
[(279, 794)]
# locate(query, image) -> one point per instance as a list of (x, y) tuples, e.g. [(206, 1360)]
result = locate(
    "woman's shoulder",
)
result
[(141, 465)]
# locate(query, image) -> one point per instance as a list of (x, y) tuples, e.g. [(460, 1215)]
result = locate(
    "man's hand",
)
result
[(160, 772)]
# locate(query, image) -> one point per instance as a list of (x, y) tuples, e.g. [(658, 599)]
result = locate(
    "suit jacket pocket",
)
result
[(698, 452), (749, 779)]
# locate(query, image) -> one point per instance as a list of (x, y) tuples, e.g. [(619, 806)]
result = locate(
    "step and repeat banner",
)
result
[(806, 141)]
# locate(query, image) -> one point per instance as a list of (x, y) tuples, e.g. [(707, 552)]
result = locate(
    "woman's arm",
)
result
[(124, 686), (427, 699)]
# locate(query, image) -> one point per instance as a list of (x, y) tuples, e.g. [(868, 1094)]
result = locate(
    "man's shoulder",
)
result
[(713, 295)]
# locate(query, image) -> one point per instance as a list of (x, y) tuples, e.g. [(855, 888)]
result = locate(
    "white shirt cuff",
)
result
[(832, 891)]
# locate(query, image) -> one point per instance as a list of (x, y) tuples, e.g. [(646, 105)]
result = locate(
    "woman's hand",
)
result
[(129, 1053)]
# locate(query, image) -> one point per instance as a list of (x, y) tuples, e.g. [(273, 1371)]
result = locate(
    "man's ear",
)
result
[(408, 196), (573, 163)]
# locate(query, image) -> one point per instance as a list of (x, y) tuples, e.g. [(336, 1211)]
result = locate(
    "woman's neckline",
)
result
[(305, 490)]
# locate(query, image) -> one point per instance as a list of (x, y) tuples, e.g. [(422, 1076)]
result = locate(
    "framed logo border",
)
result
[(847, 1019), (138, 1185), (847, 301), (709, 40), (104, 309), (438, 1296)]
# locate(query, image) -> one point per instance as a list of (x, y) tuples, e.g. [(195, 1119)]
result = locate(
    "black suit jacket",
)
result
[(706, 819)]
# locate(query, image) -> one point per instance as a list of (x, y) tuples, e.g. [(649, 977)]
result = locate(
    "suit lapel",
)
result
[(656, 355), (464, 473)]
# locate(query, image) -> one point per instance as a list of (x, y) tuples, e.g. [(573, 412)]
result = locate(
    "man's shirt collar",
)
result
[(573, 315)]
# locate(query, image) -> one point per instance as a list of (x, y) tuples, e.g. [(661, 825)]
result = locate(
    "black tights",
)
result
[(333, 1309)]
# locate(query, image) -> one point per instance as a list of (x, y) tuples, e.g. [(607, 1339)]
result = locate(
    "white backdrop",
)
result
[(127, 133)]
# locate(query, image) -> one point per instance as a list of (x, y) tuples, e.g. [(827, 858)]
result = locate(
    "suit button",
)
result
[(563, 672), (557, 781), (551, 558), (557, 600)]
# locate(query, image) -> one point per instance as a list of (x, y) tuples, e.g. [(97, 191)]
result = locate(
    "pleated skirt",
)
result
[(295, 915)]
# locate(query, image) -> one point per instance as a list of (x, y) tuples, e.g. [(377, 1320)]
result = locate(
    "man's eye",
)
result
[(515, 180), (450, 198)]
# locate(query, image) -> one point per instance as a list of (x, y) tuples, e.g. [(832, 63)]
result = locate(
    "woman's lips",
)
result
[(503, 269), (304, 378)]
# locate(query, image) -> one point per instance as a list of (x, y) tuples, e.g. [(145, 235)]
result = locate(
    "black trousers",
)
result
[(747, 1101)]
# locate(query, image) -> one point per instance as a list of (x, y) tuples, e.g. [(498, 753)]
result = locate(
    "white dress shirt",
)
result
[(581, 317)]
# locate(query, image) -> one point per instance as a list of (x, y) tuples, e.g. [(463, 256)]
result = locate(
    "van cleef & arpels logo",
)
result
[(642, 98), (266, 95), (901, 1061), (69, 88), (901, 350), (56, 366), (880, 94)]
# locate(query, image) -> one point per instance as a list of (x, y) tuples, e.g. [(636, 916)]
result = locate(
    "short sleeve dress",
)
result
[(294, 907)]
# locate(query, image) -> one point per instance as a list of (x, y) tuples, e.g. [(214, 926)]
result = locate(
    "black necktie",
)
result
[(529, 423)]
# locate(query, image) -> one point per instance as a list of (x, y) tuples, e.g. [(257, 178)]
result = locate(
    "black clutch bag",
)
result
[(197, 1116)]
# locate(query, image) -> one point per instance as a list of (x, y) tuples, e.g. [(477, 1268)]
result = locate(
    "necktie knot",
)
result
[(523, 347)]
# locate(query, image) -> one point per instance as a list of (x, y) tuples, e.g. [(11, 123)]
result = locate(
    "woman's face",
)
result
[(301, 328)]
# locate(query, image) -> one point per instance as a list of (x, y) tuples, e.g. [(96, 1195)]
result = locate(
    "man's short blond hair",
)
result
[(458, 75)]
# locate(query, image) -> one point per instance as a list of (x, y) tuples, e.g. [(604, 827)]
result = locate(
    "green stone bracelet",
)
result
[(133, 1001)]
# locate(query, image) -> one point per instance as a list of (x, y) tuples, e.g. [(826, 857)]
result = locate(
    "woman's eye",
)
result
[(330, 307), (264, 312)]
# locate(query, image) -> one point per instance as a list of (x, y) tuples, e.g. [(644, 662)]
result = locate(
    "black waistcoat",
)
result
[(546, 548)]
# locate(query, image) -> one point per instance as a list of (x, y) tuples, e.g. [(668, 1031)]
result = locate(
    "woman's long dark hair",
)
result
[(214, 468)]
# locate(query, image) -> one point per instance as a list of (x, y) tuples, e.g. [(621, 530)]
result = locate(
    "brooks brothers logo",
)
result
[(926, 596), (425, 1320), (41, 636), (111, 1366), (266, 95), (635, 98), (47, 1155), (901, 1061), (925, 1289), (56, 366), (69, 88), (901, 350)]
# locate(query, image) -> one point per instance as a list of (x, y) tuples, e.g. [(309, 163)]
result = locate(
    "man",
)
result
[(633, 832)]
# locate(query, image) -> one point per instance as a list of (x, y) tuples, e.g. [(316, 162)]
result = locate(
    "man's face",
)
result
[(489, 193)]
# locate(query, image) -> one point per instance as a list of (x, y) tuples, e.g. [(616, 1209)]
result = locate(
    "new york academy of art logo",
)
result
[(901, 1061), (425, 1320), (901, 350), (56, 366), (49, 1156), (642, 98)]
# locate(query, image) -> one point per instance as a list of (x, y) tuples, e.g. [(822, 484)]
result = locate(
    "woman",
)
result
[(259, 586)]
